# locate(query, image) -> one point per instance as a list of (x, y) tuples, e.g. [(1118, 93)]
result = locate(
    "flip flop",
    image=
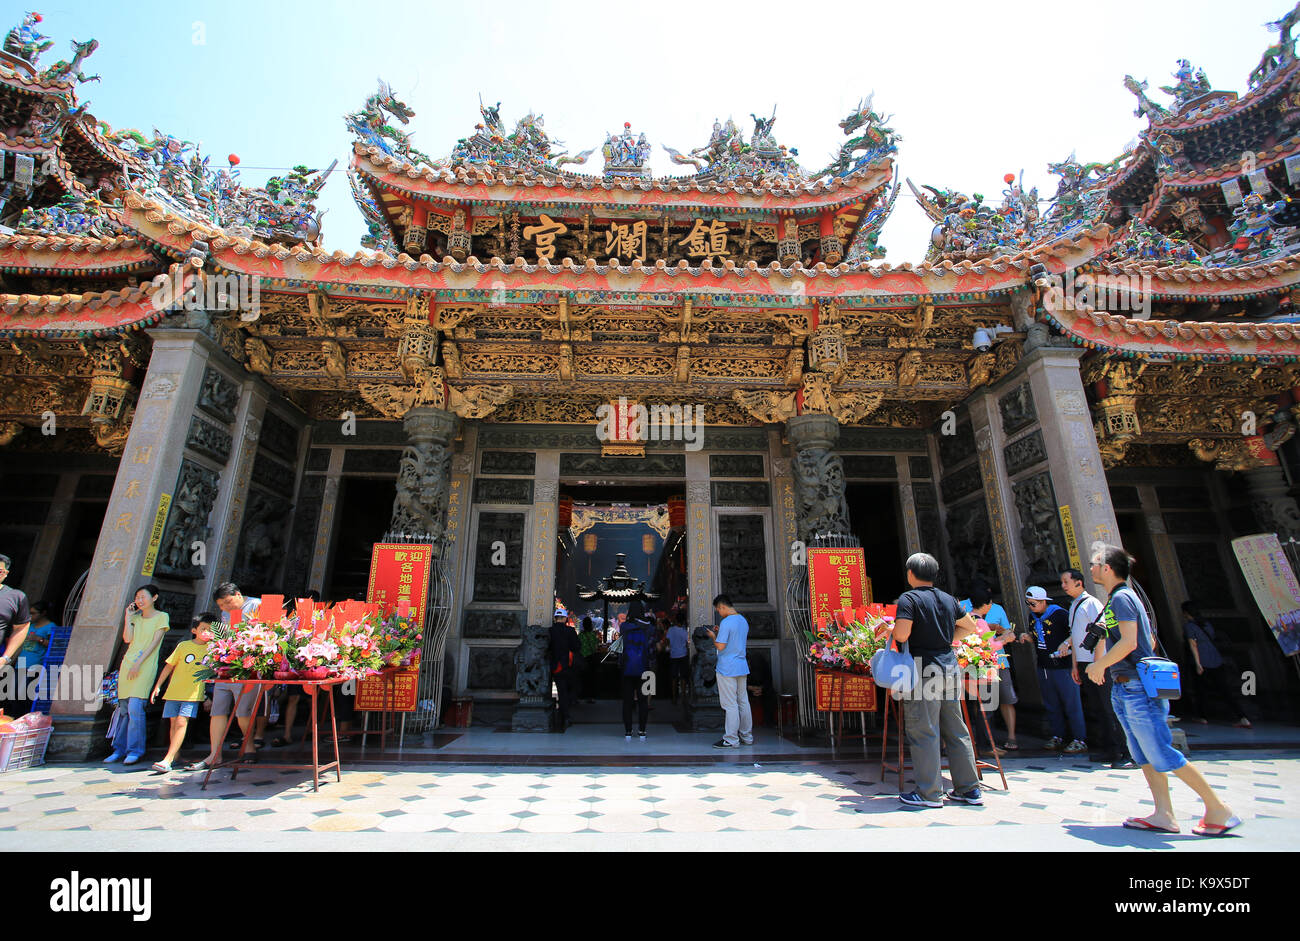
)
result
[(198, 766), (1137, 823), (1011, 746), (281, 742), (1214, 829), (161, 767)]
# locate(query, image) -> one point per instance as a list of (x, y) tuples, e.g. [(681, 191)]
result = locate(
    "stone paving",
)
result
[(1062, 795)]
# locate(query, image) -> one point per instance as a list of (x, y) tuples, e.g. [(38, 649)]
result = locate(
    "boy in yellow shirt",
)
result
[(185, 692)]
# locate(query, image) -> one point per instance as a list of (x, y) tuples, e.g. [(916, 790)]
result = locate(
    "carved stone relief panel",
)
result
[(970, 545), (492, 668), (735, 465), (187, 520), (742, 558), (503, 582), (218, 395), (494, 624), (1017, 408), (1040, 530), (208, 439), (1025, 453), (522, 463), (497, 490)]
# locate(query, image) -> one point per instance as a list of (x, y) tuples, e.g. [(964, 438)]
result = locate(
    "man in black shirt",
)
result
[(929, 620), (14, 621), (565, 659)]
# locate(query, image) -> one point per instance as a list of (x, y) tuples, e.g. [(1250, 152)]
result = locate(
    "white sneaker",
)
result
[(627, 738), (643, 736)]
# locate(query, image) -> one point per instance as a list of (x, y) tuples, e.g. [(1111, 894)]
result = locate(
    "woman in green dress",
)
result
[(143, 629)]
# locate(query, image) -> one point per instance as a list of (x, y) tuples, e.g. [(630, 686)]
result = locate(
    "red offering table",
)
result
[(310, 688)]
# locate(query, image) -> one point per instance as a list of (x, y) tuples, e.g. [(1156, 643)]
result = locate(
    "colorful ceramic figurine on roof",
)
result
[(1142, 243), (378, 236), (727, 158), (72, 215), (1281, 53), (25, 42), (1252, 227), (63, 70), (875, 140), (1146, 107), (626, 154), (528, 147), (371, 125), (1192, 84)]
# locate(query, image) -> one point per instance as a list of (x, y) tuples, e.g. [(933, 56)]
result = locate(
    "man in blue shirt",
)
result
[(730, 639), (1061, 698), (1143, 718)]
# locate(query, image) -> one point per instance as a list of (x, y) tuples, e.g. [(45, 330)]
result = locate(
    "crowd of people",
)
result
[(1085, 658), (929, 621), (647, 649)]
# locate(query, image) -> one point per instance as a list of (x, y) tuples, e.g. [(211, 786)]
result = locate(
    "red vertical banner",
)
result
[(837, 579), (400, 572)]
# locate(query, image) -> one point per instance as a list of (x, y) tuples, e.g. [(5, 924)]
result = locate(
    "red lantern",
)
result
[(234, 160), (566, 511), (676, 512)]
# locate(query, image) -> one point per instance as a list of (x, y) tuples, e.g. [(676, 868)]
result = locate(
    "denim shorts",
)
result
[(1145, 724), (176, 708)]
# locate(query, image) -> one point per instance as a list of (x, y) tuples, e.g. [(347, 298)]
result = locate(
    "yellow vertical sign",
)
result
[(1071, 538), (155, 534)]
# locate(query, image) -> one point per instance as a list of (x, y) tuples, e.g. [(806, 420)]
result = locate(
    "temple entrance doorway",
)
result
[(365, 506), (605, 522), (874, 517)]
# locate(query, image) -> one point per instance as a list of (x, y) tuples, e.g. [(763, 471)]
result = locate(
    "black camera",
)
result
[(1095, 632)]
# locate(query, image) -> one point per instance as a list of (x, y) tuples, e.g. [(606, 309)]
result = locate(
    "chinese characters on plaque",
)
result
[(629, 241)]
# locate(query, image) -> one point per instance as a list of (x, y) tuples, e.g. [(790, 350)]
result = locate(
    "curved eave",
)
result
[(1206, 179), (509, 187), (1254, 98), (73, 254), (19, 75), (70, 316), (376, 272), (1173, 340), (86, 130), (63, 171)]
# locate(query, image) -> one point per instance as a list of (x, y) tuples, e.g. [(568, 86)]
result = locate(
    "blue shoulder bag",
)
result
[(1158, 675), (894, 669)]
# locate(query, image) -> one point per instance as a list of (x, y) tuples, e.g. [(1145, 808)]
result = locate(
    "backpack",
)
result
[(636, 648)]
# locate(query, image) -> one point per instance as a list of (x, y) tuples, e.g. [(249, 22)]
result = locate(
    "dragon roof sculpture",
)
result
[(728, 158)]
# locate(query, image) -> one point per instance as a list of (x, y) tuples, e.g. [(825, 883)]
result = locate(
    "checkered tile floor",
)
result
[(741, 797)]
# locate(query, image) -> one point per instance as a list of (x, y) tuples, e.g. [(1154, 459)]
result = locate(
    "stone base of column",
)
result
[(706, 715), (78, 738), (531, 715)]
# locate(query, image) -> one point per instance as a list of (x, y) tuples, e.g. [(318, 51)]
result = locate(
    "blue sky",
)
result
[(976, 89)]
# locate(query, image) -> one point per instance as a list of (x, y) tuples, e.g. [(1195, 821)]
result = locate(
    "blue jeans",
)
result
[(1145, 724), (130, 736), (1062, 702)]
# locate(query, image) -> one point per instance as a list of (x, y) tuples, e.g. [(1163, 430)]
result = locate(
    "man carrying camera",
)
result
[(1125, 635), (1084, 611)]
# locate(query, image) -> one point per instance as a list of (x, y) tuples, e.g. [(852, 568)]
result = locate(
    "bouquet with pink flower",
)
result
[(977, 654), (849, 639)]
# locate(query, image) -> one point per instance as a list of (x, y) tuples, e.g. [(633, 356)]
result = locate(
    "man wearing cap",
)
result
[(566, 656), (1055, 660)]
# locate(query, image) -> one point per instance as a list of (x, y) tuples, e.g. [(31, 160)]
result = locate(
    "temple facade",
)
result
[(534, 359)]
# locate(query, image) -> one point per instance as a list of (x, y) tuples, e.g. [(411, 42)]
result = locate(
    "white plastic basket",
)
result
[(19, 750)]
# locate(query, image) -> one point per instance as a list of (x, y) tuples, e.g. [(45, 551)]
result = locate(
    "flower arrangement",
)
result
[(350, 641), (849, 640), (397, 638), (977, 654)]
